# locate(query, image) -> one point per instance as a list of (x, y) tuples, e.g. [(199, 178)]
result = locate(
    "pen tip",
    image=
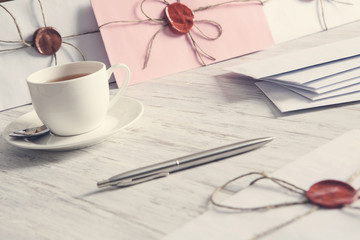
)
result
[(268, 139), (265, 140), (103, 183)]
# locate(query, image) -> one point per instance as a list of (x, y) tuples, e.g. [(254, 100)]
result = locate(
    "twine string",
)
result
[(76, 48), (323, 14), (323, 11), (354, 207), (215, 24), (81, 34), (125, 21), (148, 20), (275, 228), (351, 180), (30, 45), (315, 208), (281, 183), (43, 17), (147, 56), (55, 58), (251, 209), (224, 3), (199, 51), (42, 13), (12, 49), (18, 30), (70, 44), (289, 186), (147, 16), (69, 36), (354, 176)]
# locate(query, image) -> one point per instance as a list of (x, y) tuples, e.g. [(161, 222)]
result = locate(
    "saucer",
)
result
[(124, 112)]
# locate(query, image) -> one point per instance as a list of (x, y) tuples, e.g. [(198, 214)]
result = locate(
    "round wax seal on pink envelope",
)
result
[(179, 17)]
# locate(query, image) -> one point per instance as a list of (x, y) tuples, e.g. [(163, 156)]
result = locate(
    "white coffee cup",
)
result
[(79, 104)]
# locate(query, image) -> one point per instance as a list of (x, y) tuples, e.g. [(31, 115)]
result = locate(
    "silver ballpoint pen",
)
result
[(163, 169)]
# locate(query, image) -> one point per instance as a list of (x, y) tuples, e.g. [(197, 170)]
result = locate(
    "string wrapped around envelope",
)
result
[(46, 40), (321, 2), (326, 194), (181, 20)]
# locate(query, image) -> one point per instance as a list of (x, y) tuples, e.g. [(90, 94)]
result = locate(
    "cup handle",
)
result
[(124, 84)]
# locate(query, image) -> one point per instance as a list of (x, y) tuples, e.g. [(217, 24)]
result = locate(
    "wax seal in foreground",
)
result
[(47, 40), (331, 194), (179, 17)]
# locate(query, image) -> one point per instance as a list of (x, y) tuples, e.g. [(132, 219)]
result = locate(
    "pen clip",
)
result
[(133, 181)]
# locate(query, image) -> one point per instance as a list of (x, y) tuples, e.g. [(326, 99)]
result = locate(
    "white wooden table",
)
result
[(53, 195)]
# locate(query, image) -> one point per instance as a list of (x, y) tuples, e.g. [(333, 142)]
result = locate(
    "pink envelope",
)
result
[(244, 30)]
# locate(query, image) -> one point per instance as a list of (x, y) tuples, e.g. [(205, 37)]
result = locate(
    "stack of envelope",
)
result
[(309, 78)]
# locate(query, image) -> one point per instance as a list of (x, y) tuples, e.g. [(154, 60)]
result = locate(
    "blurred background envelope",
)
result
[(291, 19), (244, 30), (68, 17)]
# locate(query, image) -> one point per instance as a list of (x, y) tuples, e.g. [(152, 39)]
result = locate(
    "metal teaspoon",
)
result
[(30, 132)]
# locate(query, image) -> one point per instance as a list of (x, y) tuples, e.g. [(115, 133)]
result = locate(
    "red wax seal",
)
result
[(331, 194), (47, 40), (179, 17)]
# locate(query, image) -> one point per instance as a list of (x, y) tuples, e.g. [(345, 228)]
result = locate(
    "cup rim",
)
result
[(32, 76)]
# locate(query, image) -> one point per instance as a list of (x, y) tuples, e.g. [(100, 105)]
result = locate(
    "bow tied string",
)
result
[(200, 53)]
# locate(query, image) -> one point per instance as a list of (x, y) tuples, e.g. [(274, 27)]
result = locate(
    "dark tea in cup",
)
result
[(69, 77)]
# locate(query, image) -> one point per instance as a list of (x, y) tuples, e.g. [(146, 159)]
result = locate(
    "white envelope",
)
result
[(308, 74), (68, 17), (286, 100), (299, 59), (314, 96), (338, 159), (329, 83), (342, 79), (291, 19)]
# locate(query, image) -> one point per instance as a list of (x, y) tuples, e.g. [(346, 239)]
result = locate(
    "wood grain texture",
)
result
[(53, 195)]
